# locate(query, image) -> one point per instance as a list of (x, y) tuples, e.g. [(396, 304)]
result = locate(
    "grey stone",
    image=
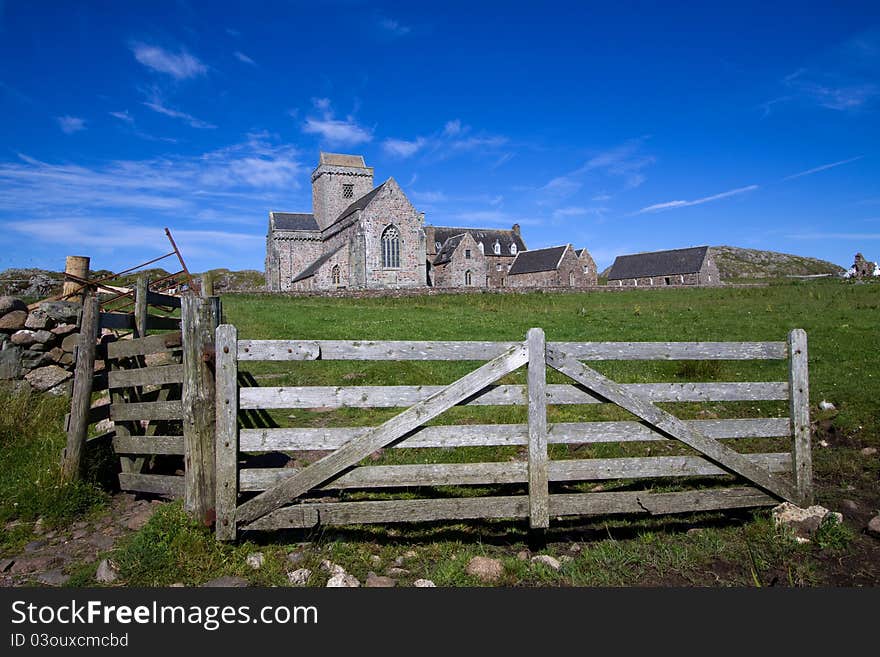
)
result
[(523, 555), (34, 546), (39, 526), (13, 321), (255, 560), (101, 541), (107, 572), (397, 572), (332, 568), (24, 338), (54, 577), (139, 518), (66, 312), (34, 564), (485, 569), (299, 577), (424, 584), (547, 560), (410, 554), (295, 557), (44, 378), (38, 347), (10, 363), (343, 581), (31, 360), (227, 581), (803, 522), (10, 304), (6, 564), (850, 505), (375, 581), (375, 559), (56, 354), (874, 527), (38, 319), (64, 329), (43, 337), (869, 451), (68, 344)]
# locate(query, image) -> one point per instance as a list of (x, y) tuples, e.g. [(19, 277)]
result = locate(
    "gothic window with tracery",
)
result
[(391, 248)]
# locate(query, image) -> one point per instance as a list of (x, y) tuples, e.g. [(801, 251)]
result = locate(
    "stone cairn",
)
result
[(37, 346), (862, 268)]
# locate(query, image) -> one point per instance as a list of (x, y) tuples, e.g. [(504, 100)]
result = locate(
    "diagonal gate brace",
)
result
[(669, 424), (378, 437)]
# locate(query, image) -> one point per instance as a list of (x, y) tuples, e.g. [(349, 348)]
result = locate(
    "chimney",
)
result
[(516, 230)]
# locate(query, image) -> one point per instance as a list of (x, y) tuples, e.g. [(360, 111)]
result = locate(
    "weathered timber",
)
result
[(510, 472), (159, 410), (426, 510), (669, 424), (118, 321), (710, 499), (95, 414), (164, 300), (78, 268), (539, 491), (148, 444), (490, 435), (799, 409), (140, 306), (277, 350), (165, 485), (347, 513), (146, 376), (226, 448), (151, 344), (156, 323), (200, 317), (500, 395), (71, 466), (382, 435), (482, 351)]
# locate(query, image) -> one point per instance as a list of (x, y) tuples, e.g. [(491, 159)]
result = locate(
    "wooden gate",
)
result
[(541, 487)]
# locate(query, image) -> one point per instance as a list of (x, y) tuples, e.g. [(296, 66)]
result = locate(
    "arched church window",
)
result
[(468, 278), (513, 248), (480, 246), (391, 248), (334, 273), (497, 247)]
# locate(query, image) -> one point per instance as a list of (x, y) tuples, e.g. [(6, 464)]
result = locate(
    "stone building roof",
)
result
[(659, 263), (360, 204), (448, 248), (316, 265), (294, 221), (527, 262), (488, 237), (342, 160)]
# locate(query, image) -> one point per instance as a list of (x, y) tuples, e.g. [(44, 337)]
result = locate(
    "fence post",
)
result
[(81, 399), (140, 306), (199, 318), (799, 396), (76, 266), (227, 431), (539, 494)]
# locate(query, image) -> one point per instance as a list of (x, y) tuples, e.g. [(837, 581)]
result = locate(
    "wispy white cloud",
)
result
[(429, 197), (154, 102), (452, 128), (822, 168), (335, 131), (402, 148), (706, 199), (123, 116), (180, 65), (240, 56), (233, 33), (393, 27), (70, 124)]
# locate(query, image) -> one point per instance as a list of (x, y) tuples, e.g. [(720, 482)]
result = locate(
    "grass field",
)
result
[(741, 548)]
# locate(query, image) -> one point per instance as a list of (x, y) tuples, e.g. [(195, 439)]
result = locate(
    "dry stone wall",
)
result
[(37, 346)]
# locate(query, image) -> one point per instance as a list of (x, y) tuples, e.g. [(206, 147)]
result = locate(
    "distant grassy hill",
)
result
[(736, 263)]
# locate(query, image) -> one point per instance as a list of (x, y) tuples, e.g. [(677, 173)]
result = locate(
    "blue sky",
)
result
[(614, 126)]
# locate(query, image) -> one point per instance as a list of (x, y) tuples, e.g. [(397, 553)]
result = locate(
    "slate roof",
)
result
[(658, 263), (448, 248), (360, 204), (487, 237), (294, 221), (342, 160), (316, 265), (527, 262)]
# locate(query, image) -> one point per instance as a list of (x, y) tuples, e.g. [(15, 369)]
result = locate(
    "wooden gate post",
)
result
[(799, 396), (140, 306), (199, 319), (227, 432), (539, 493), (76, 266), (71, 465)]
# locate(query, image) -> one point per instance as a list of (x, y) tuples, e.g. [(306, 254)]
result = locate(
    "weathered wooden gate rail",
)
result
[(284, 499)]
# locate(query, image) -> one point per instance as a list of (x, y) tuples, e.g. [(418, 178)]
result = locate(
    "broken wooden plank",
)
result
[(490, 435), (669, 424), (151, 344), (146, 376), (382, 435), (166, 485)]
